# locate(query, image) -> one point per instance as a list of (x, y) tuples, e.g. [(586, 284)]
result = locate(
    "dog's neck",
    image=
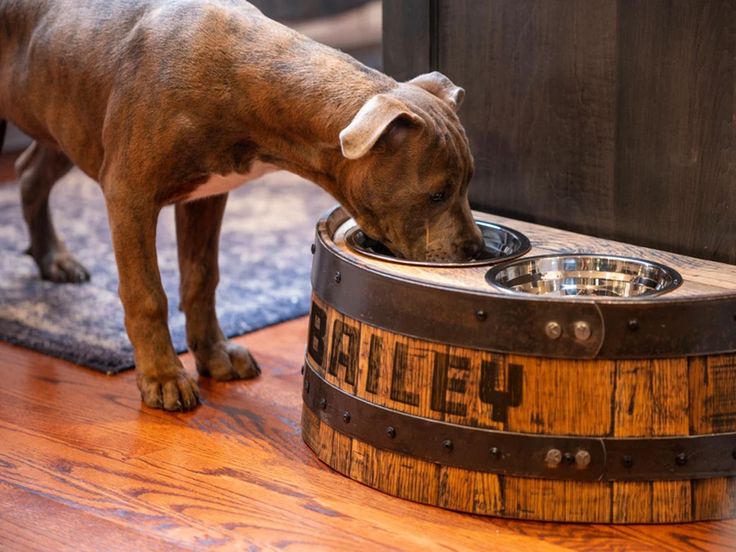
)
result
[(316, 106)]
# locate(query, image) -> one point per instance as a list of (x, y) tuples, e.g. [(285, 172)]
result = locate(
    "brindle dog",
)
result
[(177, 102)]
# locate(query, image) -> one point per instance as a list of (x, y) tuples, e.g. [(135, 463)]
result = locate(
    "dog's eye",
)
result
[(437, 197)]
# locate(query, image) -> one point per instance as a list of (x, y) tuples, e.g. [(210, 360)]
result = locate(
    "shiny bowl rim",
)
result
[(676, 277), (524, 247)]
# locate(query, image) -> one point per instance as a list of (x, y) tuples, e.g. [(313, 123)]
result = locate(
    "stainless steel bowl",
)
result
[(587, 275), (502, 244)]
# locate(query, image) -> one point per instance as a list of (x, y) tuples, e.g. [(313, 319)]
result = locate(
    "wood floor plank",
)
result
[(84, 464), (33, 522)]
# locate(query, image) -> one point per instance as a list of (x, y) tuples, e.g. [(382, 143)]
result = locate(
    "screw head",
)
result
[(391, 432), (447, 444), (553, 458), (633, 324), (496, 453), (313, 248), (323, 404), (582, 331), (582, 458), (338, 277), (481, 315), (346, 417), (681, 459), (553, 330), (627, 461)]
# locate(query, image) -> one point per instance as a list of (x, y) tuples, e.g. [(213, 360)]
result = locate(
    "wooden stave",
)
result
[(599, 502)]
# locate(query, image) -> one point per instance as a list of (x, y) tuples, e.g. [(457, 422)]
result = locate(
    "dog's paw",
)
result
[(62, 268), (228, 362), (175, 393)]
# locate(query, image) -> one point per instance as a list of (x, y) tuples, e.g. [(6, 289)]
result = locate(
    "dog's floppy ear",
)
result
[(371, 122), (442, 87)]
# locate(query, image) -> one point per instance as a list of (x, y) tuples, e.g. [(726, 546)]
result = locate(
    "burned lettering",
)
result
[(317, 331), (499, 399), (443, 382), (345, 348), (399, 384)]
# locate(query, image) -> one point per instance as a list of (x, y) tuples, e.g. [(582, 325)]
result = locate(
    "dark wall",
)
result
[(613, 118)]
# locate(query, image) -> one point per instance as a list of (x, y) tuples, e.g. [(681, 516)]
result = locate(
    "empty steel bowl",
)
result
[(586, 275)]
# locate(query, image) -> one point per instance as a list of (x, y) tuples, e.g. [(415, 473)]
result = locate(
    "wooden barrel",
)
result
[(434, 385)]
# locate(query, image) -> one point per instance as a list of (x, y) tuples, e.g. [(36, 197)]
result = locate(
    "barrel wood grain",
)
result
[(651, 400), (561, 397), (625, 398), (712, 382)]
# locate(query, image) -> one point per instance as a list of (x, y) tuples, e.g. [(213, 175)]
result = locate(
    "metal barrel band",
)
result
[(520, 454), (657, 327)]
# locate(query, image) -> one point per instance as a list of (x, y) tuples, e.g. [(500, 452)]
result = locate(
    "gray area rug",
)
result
[(264, 269)]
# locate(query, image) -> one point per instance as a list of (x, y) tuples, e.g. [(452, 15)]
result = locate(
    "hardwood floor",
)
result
[(84, 466)]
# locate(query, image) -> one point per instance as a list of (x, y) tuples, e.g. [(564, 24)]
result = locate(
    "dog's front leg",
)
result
[(198, 233), (161, 378)]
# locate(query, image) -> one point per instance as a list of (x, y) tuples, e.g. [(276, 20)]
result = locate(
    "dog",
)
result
[(179, 101)]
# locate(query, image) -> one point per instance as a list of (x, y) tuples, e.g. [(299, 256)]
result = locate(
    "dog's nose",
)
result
[(472, 248)]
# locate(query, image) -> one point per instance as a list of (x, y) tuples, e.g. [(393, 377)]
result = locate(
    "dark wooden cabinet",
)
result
[(615, 118)]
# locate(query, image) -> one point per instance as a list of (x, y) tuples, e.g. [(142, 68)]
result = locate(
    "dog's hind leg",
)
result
[(197, 234), (39, 167)]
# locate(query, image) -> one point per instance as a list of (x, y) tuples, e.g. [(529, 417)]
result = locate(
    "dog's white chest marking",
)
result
[(219, 184)]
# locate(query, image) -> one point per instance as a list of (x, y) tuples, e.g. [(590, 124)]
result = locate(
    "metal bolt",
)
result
[(553, 458), (681, 459), (633, 324), (323, 404), (569, 458), (627, 461), (313, 249), (338, 277), (481, 315), (346, 417), (553, 330), (582, 458), (447, 444), (582, 331), (496, 453), (391, 432)]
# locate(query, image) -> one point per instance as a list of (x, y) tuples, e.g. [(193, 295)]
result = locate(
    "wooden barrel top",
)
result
[(701, 278)]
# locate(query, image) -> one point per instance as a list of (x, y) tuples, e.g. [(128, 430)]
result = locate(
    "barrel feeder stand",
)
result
[(584, 380)]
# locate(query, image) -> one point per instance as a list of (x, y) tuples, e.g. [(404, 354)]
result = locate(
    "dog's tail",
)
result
[(3, 125)]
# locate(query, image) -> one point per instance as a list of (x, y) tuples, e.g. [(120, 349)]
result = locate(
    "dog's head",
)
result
[(409, 170)]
